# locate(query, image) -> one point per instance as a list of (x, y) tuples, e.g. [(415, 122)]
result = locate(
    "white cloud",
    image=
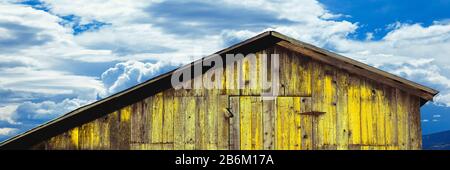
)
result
[(7, 114), (8, 131), (46, 110), (28, 79), (126, 74), (111, 11)]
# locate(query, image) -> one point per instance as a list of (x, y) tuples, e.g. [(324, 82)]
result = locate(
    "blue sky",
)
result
[(56, 56)]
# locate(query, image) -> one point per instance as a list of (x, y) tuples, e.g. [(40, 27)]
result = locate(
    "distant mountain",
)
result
[(436, 141)]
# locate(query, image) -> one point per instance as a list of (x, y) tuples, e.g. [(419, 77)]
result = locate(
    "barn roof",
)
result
[(162, 82)]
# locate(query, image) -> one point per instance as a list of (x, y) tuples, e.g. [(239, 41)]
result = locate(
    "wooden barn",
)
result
[(325, 101)]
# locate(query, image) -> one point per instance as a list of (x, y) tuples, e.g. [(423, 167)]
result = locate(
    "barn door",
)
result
[(282, 124)]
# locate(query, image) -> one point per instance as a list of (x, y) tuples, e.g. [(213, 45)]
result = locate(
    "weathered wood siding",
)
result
[(359, 114)]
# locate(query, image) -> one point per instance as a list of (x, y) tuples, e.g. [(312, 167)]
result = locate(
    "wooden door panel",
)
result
[(278, 124)]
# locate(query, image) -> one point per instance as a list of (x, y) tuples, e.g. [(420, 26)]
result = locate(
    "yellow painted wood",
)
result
[(201, 133), (328, 123), (256, 124), (245, 123), (235, 136), (268, 113), (74, 133), (389, 105), (202, 128), (296, 127), (290, 121), (380, 110), (318, 103), (342, 115), (354, 110), (245, 82), (292, 71), (359, 114), (223, 123), (168, 123), (285, 122), (305, 76), (415, 127), (190, 122), (307, 135), (211, 120), (179, 105), (90, 138), (366, 114), (402, 118), (157, 120)]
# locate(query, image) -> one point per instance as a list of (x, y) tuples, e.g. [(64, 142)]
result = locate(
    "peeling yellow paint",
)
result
[(74, 136)]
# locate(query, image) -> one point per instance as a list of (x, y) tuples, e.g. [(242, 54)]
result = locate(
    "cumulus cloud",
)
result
[(43, 111), (7, 114), (126, 74), (8, 131)]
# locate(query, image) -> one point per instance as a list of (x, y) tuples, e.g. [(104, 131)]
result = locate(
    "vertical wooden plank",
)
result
[(255, 74), (366, 113), (280, 105), (292, 82), (269, 51), (235, 136), (59, 142), (354, 110), (179, 105), (232, 75), (386, 111), (290, 122), (328, 120), (402, 119), (379, 110), (138, 124), (148, 115), (256, 124), (201, 142), (90, 137), (245, 122), (157, 121), (211, 119), (415, 132), (296, 132), (104, 133), (269, 124), (74, 137), (190, 121), (223, 123), (168, 122), (284, 67), (306, 124), (201, 136), (245, 72), (283, 118), (317, 80), (124, 128), (342, 115), (113, 123), (305, 76)]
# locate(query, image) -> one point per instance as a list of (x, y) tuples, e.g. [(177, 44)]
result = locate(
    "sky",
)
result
[(58, 55)]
